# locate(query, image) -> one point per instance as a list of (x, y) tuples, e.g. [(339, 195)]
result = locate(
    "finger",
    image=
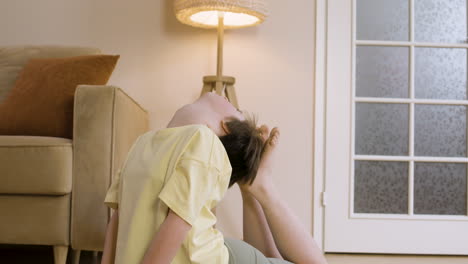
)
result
[(275, 132), (264, 131), (274, 135)]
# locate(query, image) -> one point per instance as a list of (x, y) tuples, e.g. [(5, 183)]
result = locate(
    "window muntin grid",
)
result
[(413, 101)]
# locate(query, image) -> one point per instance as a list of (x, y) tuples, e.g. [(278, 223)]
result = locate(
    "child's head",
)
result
[(244, 146), (238, 133)]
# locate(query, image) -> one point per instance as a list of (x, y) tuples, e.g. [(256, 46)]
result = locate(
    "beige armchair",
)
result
[(52, 189)]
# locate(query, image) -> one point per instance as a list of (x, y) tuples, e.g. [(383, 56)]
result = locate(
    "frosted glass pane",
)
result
[(440, 188), (440, 73), (382, 71), (381, 129), (382, 20), (381, 187), (440, 21), (440, 130)]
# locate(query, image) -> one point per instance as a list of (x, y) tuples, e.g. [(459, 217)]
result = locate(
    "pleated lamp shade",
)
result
[(204, 13)]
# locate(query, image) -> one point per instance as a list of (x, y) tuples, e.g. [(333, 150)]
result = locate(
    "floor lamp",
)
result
[(220, 14)]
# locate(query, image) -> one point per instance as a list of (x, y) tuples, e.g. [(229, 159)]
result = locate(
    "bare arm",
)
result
[(108, 255), (166, 242), (293, 240), (255, 227)]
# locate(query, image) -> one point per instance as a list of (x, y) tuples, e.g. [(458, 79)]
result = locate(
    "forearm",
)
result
[(293, 240), (108, 256), (255, 227)]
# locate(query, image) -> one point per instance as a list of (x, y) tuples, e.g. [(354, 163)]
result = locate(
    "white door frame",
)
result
[(319, 184), (320, 122)]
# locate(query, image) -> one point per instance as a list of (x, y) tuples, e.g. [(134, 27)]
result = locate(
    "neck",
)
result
[(192, 114)]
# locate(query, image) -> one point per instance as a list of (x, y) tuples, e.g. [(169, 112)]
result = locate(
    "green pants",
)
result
[(241, 252)]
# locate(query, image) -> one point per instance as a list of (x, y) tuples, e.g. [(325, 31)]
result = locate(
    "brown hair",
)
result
[(244, 146)]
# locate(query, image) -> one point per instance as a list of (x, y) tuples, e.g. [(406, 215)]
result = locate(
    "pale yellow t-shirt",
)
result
[(182, 168)]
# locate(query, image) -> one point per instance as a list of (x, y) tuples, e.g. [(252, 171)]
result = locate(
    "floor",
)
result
[(13, 254), (19, 254), (393, 259)]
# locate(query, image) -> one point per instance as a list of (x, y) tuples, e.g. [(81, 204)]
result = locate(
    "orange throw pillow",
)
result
[(41, 102)]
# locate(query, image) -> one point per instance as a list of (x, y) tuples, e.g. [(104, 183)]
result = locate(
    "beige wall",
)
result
[(162, 63)]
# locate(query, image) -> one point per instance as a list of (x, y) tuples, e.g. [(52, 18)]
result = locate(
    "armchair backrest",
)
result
[(13, 59)]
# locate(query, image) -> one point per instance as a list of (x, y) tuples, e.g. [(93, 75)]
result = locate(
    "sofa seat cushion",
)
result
[(35, 165), (34, 220)]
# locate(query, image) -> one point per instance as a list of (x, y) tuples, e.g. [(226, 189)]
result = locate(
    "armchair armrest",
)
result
[(106, 122)]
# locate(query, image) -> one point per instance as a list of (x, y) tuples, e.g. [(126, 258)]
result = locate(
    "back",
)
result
[(182, 168)]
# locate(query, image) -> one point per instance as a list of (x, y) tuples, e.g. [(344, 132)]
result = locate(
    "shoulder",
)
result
[(201, 141), (205, 146), (200, 137)]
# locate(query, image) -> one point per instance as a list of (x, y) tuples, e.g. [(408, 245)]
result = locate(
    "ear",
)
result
[(224, 126)]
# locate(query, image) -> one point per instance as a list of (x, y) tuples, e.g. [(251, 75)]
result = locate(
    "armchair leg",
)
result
[(60, 254), (76, 256)]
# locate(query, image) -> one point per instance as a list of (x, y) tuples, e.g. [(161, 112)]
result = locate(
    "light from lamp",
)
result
[(204, 13), (210, 18)]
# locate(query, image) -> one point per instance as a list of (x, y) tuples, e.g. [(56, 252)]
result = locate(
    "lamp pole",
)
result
[(221, 84), (219, 69)]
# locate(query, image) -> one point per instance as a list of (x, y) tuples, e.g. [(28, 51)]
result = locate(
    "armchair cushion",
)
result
[(35, 165), (35, 220), (41, 102), (13, 59)]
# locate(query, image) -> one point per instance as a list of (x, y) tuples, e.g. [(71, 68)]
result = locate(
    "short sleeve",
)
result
[(189, 188), (112, 196)]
